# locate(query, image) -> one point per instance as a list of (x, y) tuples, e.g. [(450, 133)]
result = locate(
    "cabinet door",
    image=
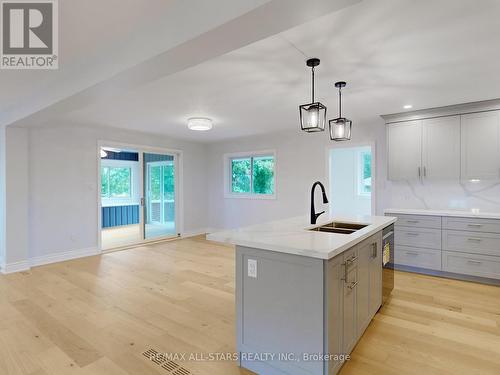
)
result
[(349, 313), (334, 295), (375, 277), (363, 287), (480, 151), (404, 149), (441, 148)]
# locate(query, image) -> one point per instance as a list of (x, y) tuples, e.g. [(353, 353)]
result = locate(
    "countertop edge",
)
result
[(447, 213)]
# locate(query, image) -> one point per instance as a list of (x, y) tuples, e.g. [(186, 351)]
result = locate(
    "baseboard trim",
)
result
[(63, 256), (15, 267), (194, 233)]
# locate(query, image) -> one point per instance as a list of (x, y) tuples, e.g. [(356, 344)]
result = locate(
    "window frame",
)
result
[(228, 158), (108, 194)]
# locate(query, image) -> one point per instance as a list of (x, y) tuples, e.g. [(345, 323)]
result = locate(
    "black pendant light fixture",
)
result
[(340, 127), (312, 115)]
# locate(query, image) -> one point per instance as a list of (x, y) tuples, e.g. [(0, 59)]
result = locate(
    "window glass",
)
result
[(116, 182), (263, 175), (365, 182), (240, 175), (104, 182)]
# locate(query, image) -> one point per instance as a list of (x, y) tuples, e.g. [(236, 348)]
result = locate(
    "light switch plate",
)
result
[(252, 268)]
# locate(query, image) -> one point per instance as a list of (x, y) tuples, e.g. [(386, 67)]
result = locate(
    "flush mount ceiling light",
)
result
[(312, 115), (340, 128), (407, 106), (200, 123)]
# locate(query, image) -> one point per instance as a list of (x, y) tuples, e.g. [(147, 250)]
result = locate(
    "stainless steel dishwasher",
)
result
[(387, 262)]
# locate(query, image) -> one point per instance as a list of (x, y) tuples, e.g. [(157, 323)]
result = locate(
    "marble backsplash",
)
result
[(478, 195)]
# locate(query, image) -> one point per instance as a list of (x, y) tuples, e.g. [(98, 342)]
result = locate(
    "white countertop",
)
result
[(291, 236), (456, 213)]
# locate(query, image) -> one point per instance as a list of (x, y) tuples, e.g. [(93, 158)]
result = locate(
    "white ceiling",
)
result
[(391, 52), (98, 39)]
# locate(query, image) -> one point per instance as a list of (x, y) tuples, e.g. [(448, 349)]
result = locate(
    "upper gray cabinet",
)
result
[(441, 148), (404, 149), (481, 145), (450, 147), (424, 149)]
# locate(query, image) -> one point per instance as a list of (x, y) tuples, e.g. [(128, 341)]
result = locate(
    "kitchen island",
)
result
[(304, 297)]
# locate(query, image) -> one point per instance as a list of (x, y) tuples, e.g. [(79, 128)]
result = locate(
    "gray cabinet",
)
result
[(461, 146), (375, 271), (303, 305), (365, 252), (464, 246), (349, 303)]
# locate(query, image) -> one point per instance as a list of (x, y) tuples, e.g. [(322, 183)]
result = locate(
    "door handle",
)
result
[(352, 285), (425, 172), (474, 262), (142, 202), (374, 250), (419, 173)]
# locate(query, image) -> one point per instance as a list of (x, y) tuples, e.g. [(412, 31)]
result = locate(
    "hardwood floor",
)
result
[(97, 315)]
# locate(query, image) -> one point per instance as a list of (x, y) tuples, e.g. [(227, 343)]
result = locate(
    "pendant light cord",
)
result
[(312, 68), (340, 102)]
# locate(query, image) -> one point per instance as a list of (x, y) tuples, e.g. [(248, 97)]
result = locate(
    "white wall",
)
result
[(60, 186), (301, 159), (17, 183), (3, 153)]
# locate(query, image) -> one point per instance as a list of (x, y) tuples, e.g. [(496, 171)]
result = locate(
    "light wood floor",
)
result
[(97, 315)]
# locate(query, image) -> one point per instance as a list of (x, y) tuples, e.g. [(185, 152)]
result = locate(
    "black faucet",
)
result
[(315, 215)]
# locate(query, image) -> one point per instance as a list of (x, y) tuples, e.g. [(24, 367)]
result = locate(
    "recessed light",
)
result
[(200, 123), (474, 180), (408, 106)]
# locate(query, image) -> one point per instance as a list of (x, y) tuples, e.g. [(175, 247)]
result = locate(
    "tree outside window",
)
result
[(252, 175)]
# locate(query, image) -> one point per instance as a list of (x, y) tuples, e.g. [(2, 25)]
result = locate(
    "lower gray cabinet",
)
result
[(365, 251), (463, 246), (375, 275), (349, 302)]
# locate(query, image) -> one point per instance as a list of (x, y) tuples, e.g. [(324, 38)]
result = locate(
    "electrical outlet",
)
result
[(252, 268)]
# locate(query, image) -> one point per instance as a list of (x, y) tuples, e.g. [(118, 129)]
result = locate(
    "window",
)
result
[(251, 175), (365, 173), (116, 182)]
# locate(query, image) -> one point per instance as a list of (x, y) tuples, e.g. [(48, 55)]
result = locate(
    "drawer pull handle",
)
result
[(474, 239), (412, 234), (351, 260), (412, 253), (474, 262), (475, 225), (352, 285), (412, 221)]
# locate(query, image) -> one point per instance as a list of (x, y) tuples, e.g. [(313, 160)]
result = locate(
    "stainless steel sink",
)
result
[(339, 227)]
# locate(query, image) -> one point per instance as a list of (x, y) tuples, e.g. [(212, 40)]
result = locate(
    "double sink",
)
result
[(339, 227)]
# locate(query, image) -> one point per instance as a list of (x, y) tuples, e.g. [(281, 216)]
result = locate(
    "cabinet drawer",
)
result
[(418, 257), (418, 237), (471, 242), (472, 224), (471, 264), (418, 221)]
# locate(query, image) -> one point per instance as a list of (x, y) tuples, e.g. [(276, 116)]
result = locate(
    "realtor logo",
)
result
[(29, 34)]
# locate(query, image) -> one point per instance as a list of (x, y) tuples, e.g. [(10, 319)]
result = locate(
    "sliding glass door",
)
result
[(159, 195)]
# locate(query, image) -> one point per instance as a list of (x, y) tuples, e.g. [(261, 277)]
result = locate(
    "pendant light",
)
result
[(312, 115), (340, 128)]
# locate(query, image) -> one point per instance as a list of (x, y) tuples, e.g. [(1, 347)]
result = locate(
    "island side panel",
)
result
[(280, 311)]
